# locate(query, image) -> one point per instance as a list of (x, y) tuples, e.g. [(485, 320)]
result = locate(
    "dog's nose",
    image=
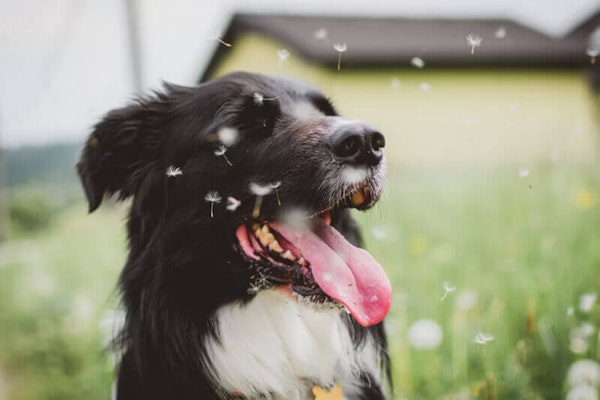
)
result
[(357, 143)]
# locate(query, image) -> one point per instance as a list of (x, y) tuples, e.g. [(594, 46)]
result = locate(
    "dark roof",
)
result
[(393, 42)]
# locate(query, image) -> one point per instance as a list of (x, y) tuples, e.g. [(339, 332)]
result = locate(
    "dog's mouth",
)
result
[(317, 263)]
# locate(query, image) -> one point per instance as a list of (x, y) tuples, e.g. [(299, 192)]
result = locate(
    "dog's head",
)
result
[(258, 172)]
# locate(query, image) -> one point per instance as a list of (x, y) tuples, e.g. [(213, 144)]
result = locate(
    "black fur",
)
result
[(184, 264)]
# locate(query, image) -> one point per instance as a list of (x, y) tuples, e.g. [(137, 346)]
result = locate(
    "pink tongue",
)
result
[(345, 273)]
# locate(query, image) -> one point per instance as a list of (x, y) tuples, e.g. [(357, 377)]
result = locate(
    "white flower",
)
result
[(228, 136), (417, 62), (173, 171), (320, 34), (584, 372), (212, 198), (340, 48), (220, 152), (233, 203), (283, 55), (448, 288), (473, 41), (260, 190), (500, 33), (483, 338), (587, 301), (425, 334)]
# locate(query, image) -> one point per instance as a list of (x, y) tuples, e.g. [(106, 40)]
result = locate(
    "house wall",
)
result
[(458, 117)]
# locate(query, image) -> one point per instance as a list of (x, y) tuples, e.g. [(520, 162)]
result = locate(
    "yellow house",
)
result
[(458, 93)]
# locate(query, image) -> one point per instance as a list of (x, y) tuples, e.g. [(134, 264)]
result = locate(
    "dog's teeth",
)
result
[(302, 262), (358, 198), (288, 255), (265, 229), (274, 246)]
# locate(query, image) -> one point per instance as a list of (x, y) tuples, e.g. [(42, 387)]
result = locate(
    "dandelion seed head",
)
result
[(320, 34), (340, 47), (523, 172), (213, 197), (584, 372), (173, 171), (353, 175), (283, 55), (582, 392), (587, 301), (578, 345), (228, 136), (260, 190), (425, 334), (417, 62), (500, 33)]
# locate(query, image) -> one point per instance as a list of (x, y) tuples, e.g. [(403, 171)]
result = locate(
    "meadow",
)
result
[(495, 275)]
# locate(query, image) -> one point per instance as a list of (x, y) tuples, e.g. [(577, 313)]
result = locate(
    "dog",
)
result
[(245, 278)]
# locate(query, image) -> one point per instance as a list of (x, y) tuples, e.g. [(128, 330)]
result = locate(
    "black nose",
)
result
[(357, 143)]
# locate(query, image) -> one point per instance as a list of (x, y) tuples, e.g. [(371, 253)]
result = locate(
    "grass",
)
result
[(523, 249)]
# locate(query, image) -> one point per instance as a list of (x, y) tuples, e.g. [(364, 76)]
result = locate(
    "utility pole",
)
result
[(133, 35)]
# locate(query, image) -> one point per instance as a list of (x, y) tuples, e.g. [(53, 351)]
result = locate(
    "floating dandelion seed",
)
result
[(483, 338), (447, 289), (212, 198), (500, 33), (417, 62), (173, 172), (340, 48), (233, 204), (275, 186), (474, 41), (228, 136), (593, 53), (220, 152), (282, 55), (259, 191), (260, 98), (320, 34)]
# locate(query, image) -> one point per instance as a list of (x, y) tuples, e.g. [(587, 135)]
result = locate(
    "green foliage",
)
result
[(29, 212)]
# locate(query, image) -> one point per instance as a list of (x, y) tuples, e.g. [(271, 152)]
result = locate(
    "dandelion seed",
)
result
[(259, 98), (523, 172), (173, 172), (483, 338), (500, 33), (380, 232), (417, 62), (219, 38), (220, 152), (340, 48), (447, 289), (473, 41), (593, 53), (212, 198), (282, 55), (233, 204), (320, 34), (275, 186), (259, 191), (425, 334), (228, 136)]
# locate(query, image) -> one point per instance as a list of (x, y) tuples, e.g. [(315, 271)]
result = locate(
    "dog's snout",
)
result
[(357, 144)]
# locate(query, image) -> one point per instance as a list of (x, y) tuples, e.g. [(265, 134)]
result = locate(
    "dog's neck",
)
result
[(279, 347)]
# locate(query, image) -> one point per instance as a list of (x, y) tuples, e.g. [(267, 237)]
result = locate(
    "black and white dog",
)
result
[(243, 280)]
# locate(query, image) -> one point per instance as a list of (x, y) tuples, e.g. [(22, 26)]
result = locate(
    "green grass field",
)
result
[(521, 251)]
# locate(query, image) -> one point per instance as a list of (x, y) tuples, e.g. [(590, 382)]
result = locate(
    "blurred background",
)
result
[(489, 228)]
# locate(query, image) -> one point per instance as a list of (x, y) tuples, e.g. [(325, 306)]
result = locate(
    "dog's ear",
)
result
[(119, 150)]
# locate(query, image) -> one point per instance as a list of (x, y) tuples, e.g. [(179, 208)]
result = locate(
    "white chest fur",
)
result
[(280, 346)]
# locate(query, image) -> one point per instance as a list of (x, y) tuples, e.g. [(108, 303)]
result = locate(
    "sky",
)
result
[(63, 63)]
